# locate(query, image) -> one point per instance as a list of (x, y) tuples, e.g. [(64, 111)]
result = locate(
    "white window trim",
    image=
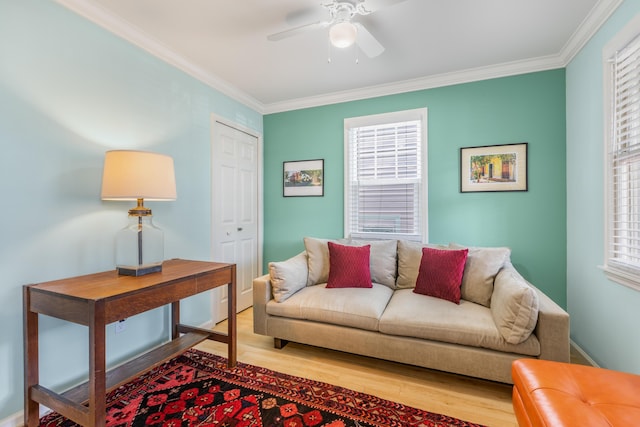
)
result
[(376, 119), (620, 40)]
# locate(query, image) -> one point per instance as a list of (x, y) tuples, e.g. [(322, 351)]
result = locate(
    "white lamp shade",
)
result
[(343, 34), (132, 175)]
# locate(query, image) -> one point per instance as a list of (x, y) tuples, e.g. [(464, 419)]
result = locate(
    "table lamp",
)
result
[(138, 175)]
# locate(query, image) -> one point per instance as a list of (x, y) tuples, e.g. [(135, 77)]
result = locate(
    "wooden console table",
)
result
[(96, 300)]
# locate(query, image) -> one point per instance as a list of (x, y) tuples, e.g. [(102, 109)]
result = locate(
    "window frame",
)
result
[(381, 119), (615, 271)]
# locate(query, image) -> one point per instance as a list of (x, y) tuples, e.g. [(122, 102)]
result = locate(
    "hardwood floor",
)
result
[(478, 401)]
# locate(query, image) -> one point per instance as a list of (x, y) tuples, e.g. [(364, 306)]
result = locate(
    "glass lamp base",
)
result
[(139, 246), (139, 270)]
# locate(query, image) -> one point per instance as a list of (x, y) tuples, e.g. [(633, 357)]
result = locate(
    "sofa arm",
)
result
[(262, 294), (552, 329)]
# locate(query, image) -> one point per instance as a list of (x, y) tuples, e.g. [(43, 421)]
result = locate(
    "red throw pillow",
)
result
[(440, 273), (349, 266)]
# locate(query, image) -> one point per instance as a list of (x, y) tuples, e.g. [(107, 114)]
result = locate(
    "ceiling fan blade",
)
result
[(367, 43), (297, 30), (371, 6), (299, 17)]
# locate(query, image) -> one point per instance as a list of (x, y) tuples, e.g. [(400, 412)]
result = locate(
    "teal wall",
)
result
[(526, 108), (604, 315), (69, 91)]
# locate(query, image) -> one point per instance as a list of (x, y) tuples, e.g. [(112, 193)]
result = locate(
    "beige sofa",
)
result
[(500, 317)]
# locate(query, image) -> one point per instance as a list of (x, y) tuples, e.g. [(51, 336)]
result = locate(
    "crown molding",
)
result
[(124, 29), (587, 28), (134, 35), (430, 82)]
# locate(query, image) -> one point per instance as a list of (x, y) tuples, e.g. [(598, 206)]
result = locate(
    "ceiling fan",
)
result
[(343, 31)]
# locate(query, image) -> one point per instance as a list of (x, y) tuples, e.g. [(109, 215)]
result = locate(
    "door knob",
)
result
[(239, 228)]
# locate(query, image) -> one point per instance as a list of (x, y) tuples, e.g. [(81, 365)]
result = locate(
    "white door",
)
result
[(235, 207)]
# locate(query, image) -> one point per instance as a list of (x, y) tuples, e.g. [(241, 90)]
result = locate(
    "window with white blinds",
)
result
[(623, 189), (385, 176)]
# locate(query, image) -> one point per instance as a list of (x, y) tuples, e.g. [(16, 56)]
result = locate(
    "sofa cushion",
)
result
[(348, 266), (383, 264), (288, 277), (440, 273), (353, 307), (514, 306), (482, 266), (422, 316), (409, 257)]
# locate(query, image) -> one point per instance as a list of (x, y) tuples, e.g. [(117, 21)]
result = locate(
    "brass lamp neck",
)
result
[(140, 210)]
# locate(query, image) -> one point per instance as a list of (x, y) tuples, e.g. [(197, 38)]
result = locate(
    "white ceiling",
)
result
[(428, 43)]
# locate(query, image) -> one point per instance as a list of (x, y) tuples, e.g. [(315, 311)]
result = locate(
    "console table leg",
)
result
[(31, 371), (97, 366), (175, 319), (232, 327)]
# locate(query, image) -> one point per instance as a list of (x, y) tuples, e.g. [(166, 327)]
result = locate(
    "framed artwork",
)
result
[(494, 168), (303, 178)]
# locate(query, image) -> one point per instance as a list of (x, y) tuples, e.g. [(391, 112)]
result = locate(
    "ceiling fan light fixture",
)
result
[(343, 34)]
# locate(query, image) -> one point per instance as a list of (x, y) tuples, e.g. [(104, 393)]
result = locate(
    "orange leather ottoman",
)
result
[(555, 394)]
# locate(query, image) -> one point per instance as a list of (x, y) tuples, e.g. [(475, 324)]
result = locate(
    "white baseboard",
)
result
[(14, 420), (17, 419), (208, 325), (582, 353)]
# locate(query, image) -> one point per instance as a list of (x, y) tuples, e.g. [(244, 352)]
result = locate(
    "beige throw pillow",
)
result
[(480, 271), (288, 277), (318, 257), (514, 306)]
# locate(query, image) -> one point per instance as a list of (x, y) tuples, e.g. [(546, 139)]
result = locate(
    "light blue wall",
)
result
[(604, 315), (526, 108), (69, 91)]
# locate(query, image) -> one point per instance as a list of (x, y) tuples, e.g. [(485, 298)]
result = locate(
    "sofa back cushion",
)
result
[(288, 277), (514, 305), (483, 264), (348, 266), (383, 260)]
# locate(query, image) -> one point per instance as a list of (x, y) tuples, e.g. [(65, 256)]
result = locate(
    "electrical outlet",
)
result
[(121, 326)]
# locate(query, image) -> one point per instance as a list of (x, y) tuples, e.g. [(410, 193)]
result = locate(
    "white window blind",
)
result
[(385, 191), (624, 165)]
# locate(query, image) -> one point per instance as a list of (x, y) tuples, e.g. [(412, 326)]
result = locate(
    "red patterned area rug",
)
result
[(197, 389)]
